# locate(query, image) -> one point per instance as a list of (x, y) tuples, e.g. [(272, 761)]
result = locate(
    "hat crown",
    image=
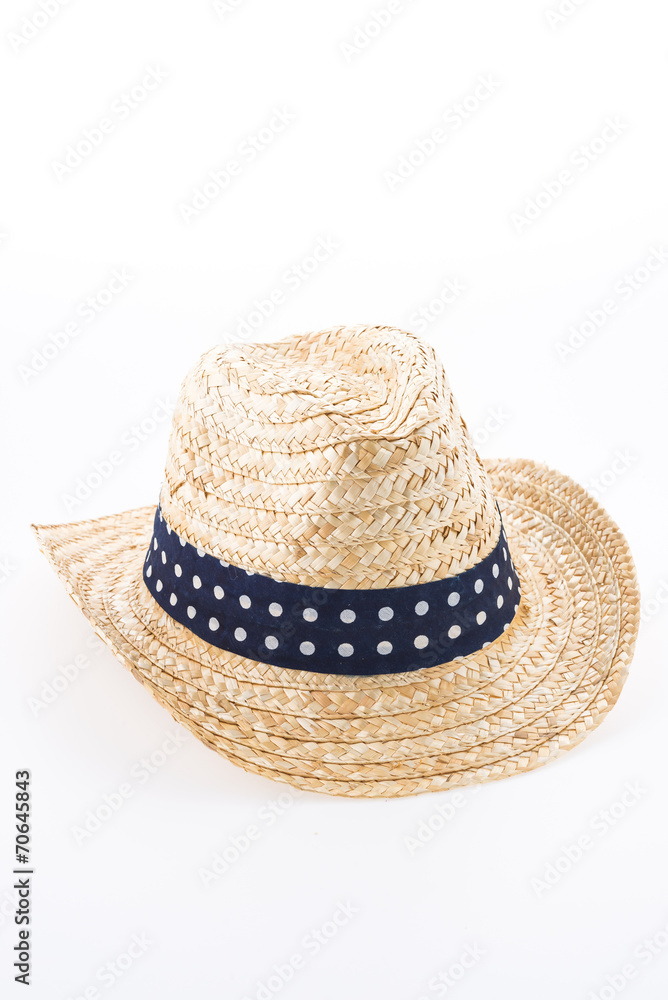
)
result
[(334, 459)]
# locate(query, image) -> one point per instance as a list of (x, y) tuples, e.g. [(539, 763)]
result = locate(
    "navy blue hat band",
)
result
[(331, 631)]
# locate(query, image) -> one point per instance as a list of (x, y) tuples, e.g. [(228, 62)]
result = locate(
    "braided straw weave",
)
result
[(340, 459)]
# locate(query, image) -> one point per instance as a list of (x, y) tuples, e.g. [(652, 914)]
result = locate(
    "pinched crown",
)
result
[(334, 459)]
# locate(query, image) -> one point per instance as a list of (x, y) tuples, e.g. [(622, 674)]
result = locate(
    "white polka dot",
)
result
[(183, 542), (421, 608), (453, 600), (385, 614), (275, 609), (155, 544), (245, 601), (164, 558), (240, 634), (172, 599), (420, 641), (306, 648), (510, 583), (310, 614), (384, 647), (160, 515), (214, 624), (219, 593), (505, 554), (481, 618), (158, 586), (345, 649), (499, 601), (169, 530), (486, 644), (506, 626), (177, 569), (348, 616), (249, 572), (149, 571), (478, 587), (197, 583), (223, 563), (495, 570), (515, 608), (200, 552), (454, 631), (271, 642), (191, 611)]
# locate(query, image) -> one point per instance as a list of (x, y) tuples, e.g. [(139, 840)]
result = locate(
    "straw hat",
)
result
[(334, 591)]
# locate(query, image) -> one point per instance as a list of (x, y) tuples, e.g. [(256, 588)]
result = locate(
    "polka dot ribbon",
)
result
[(354, 632)]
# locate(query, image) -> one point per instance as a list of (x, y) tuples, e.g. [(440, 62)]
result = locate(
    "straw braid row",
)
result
[(535, 693), (338, 459)]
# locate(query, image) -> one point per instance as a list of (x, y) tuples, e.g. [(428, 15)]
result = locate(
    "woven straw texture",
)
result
[(340, 459)]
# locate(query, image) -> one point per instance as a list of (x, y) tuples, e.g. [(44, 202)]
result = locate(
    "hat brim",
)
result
[(527, 698)]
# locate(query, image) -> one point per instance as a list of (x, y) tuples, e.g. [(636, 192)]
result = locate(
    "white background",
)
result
[(596, 412)]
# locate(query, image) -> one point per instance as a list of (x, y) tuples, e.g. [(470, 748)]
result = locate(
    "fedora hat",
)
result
[(334, 591)]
